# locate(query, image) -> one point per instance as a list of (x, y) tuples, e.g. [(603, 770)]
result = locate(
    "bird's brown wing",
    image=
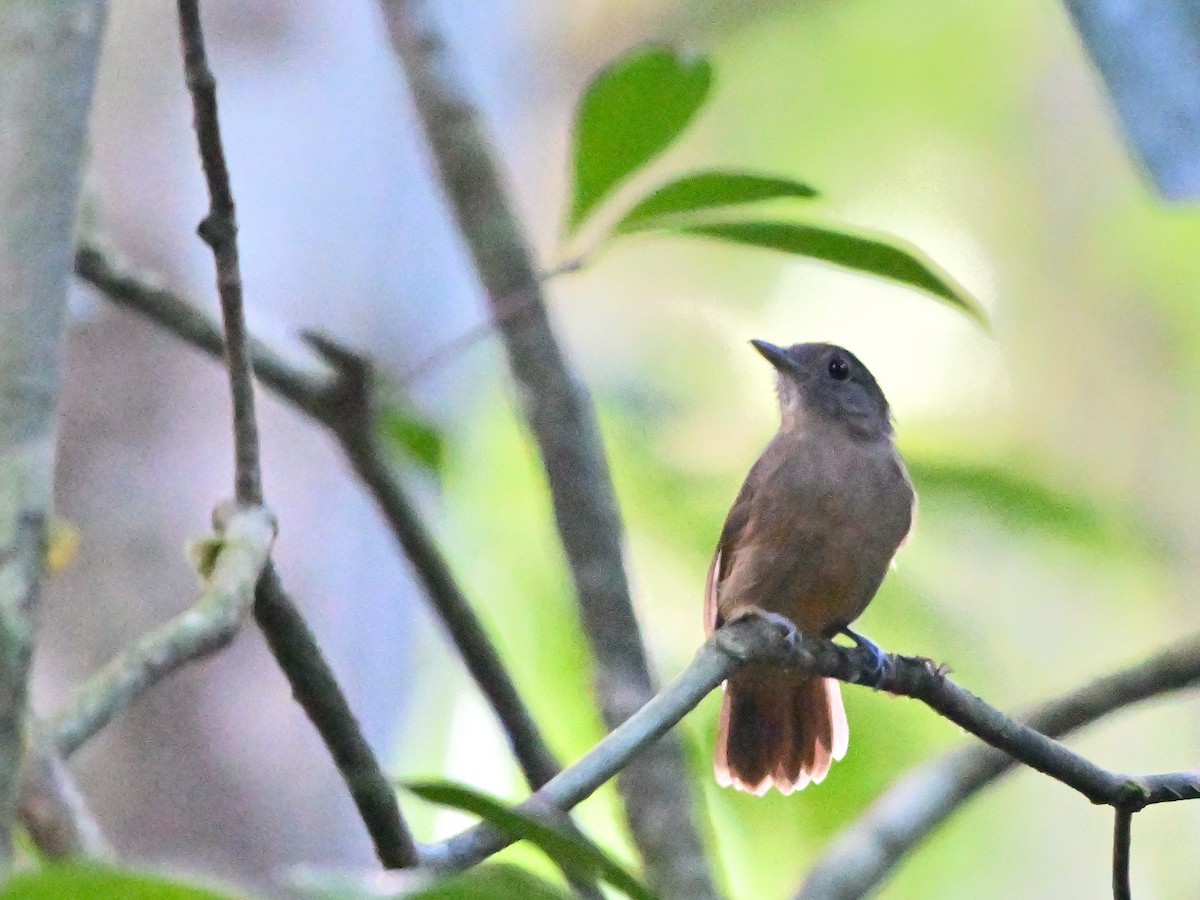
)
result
[(735, 525)]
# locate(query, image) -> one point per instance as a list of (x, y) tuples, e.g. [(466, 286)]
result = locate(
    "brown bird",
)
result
[(808, 541)]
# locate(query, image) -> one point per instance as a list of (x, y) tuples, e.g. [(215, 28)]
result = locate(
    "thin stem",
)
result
[(478, 653), (141, 293), (219, 231), (54, 812), (1122, 825), (294, 646), (317, 691)]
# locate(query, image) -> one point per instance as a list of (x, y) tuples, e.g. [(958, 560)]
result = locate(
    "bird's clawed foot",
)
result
[(791, 635), (874, 660)]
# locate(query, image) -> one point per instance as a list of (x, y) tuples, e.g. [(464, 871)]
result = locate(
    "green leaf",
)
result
[(704, 191), (1014, 499), (100, 883), (883, 257), (412, 437), (573, 853), (492, 882), (632, 111)]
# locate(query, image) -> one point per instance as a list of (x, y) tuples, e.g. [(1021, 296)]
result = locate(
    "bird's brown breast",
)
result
[(812, 533)]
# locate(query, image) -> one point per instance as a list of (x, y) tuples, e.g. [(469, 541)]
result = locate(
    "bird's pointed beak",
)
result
[(776, 356)]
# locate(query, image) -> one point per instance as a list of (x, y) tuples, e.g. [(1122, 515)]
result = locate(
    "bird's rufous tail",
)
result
[(780, 729)]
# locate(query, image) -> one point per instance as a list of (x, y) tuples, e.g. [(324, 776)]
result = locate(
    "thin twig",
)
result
[(753, 640), (505, 309), (242, 548), (144, 294), (1122, 824), (343, 400), (219, 231), (316, 690), (899, 820), (656, 789), (53, 811)]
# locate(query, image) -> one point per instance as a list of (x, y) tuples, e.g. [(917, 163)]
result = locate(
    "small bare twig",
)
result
[(316, 690), (242, 549), (219, 231), (656, 789), (507, 308), (54, 812), (142, 293), (1122, 824), (900, 820)]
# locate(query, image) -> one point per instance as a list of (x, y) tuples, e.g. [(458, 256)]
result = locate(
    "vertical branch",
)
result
[(48, 57), (1122, 826), (559, 412), (293, 645), (219, 231)]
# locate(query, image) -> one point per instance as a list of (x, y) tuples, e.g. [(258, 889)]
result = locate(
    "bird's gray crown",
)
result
[(828, 381)]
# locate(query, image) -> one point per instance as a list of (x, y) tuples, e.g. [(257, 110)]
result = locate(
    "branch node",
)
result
[(216, 230), (1133, 795), (348, 408)]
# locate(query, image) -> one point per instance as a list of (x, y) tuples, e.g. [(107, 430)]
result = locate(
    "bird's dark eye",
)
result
[(839, 369)]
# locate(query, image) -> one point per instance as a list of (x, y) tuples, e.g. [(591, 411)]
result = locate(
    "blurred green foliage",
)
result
[(412, 437), (575, 855), (101, 883)]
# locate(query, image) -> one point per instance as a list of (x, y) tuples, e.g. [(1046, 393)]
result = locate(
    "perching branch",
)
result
[(48, 59), (343, 400), (293, 644), (242, 547), (903, 817), (658, 802), (753, 640)]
